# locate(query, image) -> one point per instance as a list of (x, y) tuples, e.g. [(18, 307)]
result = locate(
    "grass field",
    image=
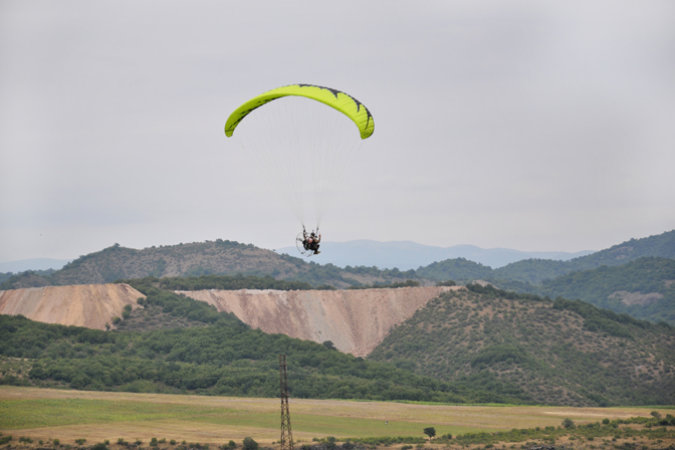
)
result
[(67, 415)]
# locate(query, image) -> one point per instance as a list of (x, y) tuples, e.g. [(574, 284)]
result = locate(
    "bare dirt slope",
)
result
[(355, 321), (86, 305)]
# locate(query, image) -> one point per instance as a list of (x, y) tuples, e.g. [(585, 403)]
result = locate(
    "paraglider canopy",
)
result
[(339, 100)]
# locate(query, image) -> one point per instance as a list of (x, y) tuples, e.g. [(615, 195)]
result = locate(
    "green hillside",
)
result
[(179, 345), (531, 271), (536, 271), (562, 352), (644, 288), (661, 246)]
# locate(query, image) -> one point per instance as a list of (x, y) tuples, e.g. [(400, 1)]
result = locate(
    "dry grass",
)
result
[(67, 415)]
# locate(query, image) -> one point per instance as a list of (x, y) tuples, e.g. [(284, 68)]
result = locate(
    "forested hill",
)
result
[(644, 288), (553, 352), (536, 271), (220, 257), (662, 246), (636, 277)]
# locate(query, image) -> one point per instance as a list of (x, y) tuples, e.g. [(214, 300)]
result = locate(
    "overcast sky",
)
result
[(534, 125)]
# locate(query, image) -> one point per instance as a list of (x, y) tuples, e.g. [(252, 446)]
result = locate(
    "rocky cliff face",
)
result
[(87, 305), (355, 321)]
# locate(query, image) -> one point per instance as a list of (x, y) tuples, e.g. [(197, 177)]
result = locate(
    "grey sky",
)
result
[(533, 125)]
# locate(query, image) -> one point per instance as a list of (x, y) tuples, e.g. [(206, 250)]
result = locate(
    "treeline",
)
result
[(406, 283), (636, 432), (605, 434), (224, 357), (236, 282), (227, 282)]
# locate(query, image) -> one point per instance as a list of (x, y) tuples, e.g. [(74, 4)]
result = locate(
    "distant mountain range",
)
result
[(406, 255)]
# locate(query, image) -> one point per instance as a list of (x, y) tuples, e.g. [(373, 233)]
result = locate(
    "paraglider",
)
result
[(307, 243), (310, 242)]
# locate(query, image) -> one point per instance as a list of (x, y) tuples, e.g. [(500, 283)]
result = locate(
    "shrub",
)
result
[(126, 313), (250, 444)]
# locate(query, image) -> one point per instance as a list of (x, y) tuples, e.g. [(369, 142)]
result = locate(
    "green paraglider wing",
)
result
[(339, 100)]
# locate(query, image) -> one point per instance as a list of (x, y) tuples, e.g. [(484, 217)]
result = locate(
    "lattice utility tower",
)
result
[(286, 434)]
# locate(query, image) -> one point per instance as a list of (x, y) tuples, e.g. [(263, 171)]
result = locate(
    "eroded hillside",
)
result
[(86, 305), (355, 321)]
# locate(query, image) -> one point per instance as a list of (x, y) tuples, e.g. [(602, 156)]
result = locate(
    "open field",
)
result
[(67, 415)]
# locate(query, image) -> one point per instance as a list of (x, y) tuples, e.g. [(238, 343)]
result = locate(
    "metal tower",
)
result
[(286, 434)]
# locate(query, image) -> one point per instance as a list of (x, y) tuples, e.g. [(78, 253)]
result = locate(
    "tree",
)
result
[(250, 444), (430, 431)]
